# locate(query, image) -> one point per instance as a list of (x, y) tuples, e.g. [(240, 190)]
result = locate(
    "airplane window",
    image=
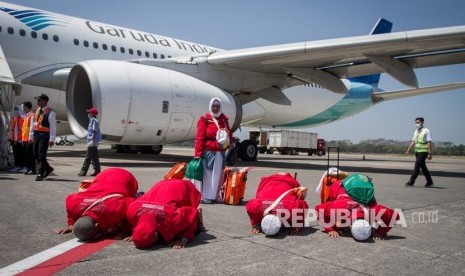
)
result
[(169, 56), (95, 45), (76, 41), (154, 55), (139, 53), (104, 47), (22, 32), (86, 43), (131, 51), (45, 36), (56, 38), (113, 48), (122, 50), (162, 56), (147, 54), (11, 30), (0, 29), (33, 34)]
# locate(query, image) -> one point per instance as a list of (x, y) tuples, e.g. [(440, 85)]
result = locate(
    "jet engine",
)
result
[(140, 104)]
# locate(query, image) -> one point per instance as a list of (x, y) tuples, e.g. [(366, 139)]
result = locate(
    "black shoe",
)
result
[(428, 185), (48, 171), (82, 174), (94, 174), (409, 184), (39, 178)]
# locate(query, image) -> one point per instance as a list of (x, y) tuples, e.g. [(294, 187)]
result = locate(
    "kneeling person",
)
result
[(277, 195), (354, 209), (169, 210), (101, 209)]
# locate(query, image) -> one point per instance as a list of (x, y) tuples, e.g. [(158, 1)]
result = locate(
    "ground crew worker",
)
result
[(44, 135), (169, 210), (27, 139), (101, 208), (93, 140), (421, 141), (16, 123), (269, 190)]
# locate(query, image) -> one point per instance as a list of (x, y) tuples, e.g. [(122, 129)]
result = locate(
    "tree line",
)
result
[(384, 146), (378, 146)]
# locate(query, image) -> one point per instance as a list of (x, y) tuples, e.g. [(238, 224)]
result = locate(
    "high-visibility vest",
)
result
[(17, 122), (26, 127), (421, 145), (42, 123)]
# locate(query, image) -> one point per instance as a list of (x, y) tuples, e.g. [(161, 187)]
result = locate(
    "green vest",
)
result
[(421, 145)]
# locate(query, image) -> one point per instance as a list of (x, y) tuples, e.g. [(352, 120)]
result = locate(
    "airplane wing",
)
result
[(327, 61), (398, 94)]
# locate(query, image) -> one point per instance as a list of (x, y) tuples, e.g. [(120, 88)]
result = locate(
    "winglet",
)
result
[(383, 26)]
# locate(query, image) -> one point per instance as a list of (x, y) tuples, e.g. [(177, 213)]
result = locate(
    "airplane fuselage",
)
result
[(40, 55)]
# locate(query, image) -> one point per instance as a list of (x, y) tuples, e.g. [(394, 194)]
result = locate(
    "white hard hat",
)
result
[(271, 225), (361, 230)]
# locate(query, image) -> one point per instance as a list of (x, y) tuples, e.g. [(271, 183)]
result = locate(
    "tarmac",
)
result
[(432, 242)]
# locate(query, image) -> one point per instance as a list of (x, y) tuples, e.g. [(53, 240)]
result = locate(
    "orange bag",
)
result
[(234, 182), (328, 180), (85, 184), (177, 172)]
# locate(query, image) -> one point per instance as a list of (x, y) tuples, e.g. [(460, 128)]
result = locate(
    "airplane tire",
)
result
[(133, 149), (248, 151), (155, 149)]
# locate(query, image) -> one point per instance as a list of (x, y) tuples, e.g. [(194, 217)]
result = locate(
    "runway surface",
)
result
[(431, 244)]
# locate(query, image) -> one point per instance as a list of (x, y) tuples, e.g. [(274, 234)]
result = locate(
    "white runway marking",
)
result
[(39, 258)]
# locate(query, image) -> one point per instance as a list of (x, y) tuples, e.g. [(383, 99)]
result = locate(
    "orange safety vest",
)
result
[(26, 127), (38, 118), (16, 120)]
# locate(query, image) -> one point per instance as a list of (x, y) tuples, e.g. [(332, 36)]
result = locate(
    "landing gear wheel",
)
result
[(248, 150)]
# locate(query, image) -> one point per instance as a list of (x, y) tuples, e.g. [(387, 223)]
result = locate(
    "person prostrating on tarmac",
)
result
[(168, 211), (101, 208)]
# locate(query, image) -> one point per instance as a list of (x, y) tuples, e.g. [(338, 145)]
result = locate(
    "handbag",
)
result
[(222, 136), (195, 169)]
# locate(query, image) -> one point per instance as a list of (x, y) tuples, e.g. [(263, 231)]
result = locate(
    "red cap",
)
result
[(144, 234), (92, 111)]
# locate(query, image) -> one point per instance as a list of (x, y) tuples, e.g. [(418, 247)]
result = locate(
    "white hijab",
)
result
[(215, 101)]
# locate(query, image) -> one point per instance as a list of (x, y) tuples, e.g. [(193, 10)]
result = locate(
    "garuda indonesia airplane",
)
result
[(150, 89)]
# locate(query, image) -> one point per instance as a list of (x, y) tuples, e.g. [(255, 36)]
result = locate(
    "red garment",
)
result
[(110, 214), (206, 133), (270, 188), (170, 208), (340, 202)]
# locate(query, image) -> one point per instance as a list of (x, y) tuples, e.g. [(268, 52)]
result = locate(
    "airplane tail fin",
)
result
[(381, 27)]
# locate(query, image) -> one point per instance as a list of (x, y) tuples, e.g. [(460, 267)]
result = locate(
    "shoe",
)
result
[(23, 170), (206, 201), (201, 228), (94, 174), (428, 185), (82, 174), (15, 169), (30, 172), (39, 178), (48, 171), (409, 184)]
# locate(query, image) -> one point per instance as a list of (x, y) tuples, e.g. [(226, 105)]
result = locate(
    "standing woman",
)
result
[(211, 147)]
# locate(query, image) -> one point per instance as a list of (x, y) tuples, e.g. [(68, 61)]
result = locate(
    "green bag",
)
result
[(360, 188), (195, 169)]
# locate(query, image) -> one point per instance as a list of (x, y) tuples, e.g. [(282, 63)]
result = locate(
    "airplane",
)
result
[(151, 89)]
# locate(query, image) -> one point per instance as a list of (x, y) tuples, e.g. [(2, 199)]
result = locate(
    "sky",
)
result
[(242, 24)]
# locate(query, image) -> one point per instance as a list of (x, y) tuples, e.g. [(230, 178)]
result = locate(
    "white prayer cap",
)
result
[(271, 225), (361, 230)]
